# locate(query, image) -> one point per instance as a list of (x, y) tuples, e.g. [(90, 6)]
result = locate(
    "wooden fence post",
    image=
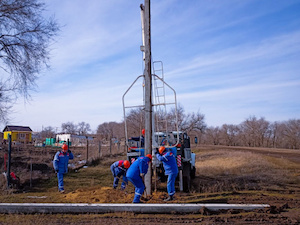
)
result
[(9, 161), (99, 149)]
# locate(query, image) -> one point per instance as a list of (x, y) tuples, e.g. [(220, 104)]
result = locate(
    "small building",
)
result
[(19, 134), (74, 140)]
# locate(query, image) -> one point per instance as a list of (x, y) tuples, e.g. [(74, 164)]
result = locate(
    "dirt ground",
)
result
[(290, 154), (277, 185)]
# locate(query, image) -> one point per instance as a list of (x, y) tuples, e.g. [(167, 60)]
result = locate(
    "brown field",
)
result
[(224, 175)]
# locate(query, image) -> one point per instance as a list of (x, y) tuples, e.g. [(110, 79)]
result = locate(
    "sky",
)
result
[(228, 60)]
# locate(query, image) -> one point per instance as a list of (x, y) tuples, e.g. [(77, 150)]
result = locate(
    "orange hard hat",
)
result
[(143, 131), (149, 156), (161, 149), (126, 164), (64, 147)]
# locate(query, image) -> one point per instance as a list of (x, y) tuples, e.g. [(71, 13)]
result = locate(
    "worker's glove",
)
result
[(69, 151), (142, 175), (56, 171), (156, 151)]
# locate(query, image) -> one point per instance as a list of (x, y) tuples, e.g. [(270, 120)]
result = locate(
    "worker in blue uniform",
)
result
[(118, 169), (60, 164), (136, 173), (166, 156), (140, 139)]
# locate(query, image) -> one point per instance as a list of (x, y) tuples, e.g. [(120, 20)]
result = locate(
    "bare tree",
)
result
[(47, 132), (5, 103), (186, 122), (135, 121), (212, 135), (69, 127), (275, 137), (83, 128), (25, 36), (255, 131), (291, 133), (171, 118), (194, 122), (119, 130), (229, 134), (109, 130)]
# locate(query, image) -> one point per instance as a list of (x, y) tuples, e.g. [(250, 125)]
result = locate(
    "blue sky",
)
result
[(228, 59)]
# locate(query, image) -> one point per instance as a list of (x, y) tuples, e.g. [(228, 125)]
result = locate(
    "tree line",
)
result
[(81, 128), (252, 132)]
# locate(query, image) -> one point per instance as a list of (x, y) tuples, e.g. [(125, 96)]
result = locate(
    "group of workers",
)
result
[(134, 173)]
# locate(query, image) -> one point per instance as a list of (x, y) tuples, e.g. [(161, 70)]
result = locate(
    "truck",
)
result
[(184, 156)]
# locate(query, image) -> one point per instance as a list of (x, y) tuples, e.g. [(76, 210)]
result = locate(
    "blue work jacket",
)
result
[(169, 161), (61, 160), (118, 170), (139, 166)]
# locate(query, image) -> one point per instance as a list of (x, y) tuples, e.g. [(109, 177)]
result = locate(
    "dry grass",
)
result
[(230, 163), (225, 170), (2, 182), (223, 176)]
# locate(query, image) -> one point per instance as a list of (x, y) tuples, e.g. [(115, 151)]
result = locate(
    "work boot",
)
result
[(144, 199), (170, 198)]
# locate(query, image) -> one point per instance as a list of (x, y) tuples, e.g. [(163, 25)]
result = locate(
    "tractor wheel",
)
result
[(186, 177), (193, 172)]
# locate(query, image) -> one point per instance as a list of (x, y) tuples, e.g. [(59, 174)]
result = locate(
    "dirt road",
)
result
[(224, 175)]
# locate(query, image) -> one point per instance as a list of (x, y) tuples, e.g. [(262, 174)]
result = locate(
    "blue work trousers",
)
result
[(60, 178), (116, 179), (171, 184), (139, 188)]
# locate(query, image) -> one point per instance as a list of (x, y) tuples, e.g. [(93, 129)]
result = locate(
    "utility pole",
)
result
[(148, 90)]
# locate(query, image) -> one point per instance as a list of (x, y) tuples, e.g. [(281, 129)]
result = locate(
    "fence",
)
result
[(31, 163)]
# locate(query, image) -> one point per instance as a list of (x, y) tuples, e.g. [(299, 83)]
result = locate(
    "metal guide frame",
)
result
[(143, 106), (125, 107)]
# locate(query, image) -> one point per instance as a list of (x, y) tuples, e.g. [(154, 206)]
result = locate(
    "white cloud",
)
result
[(216, 55), (272, 48)]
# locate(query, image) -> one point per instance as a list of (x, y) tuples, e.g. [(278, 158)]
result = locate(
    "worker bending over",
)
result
[(136, 173), (119, 169)]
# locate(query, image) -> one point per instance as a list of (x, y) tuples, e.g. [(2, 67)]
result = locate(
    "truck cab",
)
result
[(182, 151)]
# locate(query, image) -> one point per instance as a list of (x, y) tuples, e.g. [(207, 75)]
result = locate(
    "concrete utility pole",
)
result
[(148, 91)]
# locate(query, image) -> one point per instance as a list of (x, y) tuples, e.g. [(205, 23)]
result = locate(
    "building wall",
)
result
[(63, 137), (5, 135), (75, 140), (17, 136)]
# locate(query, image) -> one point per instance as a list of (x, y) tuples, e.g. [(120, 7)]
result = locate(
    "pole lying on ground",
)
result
[(112, 208)]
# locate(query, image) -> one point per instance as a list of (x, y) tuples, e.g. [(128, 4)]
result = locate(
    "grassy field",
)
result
[(224, 175)]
